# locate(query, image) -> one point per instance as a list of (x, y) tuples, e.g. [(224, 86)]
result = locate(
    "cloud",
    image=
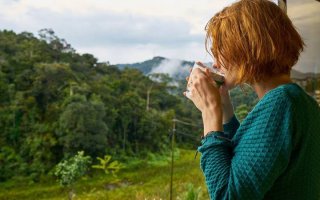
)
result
[(108, 28), (118, 31), (168, 66), (141, 52), (128, 31)]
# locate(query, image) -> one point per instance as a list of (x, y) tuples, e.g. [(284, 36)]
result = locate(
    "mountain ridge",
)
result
[(148, 66)]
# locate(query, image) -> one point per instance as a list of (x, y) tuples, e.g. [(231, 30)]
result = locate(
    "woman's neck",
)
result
[(262, 87)]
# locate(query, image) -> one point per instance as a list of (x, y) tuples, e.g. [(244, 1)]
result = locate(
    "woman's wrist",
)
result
[(212, 120)]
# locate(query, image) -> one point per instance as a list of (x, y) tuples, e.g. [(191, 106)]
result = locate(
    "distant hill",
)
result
[(145, 66), (295, 74), (179, 69)]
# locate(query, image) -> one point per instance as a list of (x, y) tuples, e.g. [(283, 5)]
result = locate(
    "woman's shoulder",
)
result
[(290, 94), (278, 110), (276, 102), (277, 97), (274, 110), (284, 100)]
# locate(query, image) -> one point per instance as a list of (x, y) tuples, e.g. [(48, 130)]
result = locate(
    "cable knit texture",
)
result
[(273, 154)]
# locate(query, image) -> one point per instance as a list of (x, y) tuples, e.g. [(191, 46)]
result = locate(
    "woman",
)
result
[(275, 152)]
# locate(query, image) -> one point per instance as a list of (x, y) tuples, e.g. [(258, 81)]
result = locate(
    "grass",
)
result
[(148, 180)]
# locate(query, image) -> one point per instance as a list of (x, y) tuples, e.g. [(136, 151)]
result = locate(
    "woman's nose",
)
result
[(215, 66)]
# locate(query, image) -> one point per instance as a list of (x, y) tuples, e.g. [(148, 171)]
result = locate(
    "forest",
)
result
[(56, 102)]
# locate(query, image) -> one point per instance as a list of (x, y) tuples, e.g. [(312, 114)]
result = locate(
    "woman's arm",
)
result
[(247, 166), (227, 106), (230, 121)]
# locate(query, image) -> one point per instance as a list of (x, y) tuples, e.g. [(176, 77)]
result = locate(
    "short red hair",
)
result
[(255, 38)]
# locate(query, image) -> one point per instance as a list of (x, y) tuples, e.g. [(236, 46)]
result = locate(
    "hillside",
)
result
[(55, 102)]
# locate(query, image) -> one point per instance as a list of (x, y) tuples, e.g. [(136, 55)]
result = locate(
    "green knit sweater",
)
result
[(273, 154)]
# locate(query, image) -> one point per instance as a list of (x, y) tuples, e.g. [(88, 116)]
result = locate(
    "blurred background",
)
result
[(91, 103)]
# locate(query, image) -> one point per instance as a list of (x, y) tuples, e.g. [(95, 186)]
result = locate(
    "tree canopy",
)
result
[(56, 102)]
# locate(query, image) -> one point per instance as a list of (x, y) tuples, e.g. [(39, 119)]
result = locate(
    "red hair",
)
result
[(255, 38)]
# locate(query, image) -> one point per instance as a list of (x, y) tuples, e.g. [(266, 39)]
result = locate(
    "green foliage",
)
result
[(10, 163), (136, 182), (242, 111), (108, 166), (69, 171), (55, 102), (192, 193), (161, 159), (35, 150), (81, 126), (246, 95)]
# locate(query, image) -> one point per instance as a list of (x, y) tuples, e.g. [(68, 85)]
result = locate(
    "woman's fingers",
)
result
[(205, 69), (201, 81), (202, 91), (201, 64), (196, 72), (208, 72)]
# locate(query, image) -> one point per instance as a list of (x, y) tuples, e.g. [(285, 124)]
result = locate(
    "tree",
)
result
[(81, 126), (57, 46), (131, 106), (55, 102)]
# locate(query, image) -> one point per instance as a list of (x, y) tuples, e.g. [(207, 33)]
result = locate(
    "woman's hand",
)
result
[(206, 96), (227, 107)]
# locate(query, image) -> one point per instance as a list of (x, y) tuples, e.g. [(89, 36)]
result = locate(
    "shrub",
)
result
[(69, 171)]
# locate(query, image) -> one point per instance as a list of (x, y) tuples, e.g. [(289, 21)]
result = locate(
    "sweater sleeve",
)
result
[(230, 128), (247, 166)]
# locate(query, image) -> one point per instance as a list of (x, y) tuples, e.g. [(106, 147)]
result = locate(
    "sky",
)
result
[(128, 31)]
